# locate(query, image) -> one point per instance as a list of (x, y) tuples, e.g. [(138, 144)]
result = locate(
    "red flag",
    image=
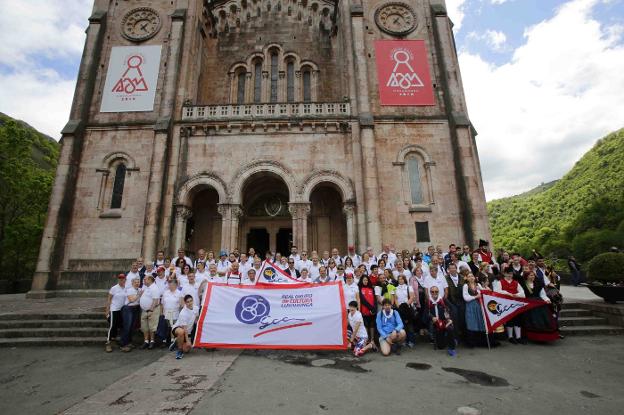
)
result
[(272, 274), (499, 308)]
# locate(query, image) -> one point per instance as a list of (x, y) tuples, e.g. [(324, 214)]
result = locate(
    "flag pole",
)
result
[(487, 337)]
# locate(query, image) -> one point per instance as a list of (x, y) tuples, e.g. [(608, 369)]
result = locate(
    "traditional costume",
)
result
[(539, 323)]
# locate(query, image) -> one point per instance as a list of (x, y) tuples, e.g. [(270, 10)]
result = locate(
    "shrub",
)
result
[(607, 267)]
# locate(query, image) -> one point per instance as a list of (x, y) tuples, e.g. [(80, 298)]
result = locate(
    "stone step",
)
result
[(575, 312), (565, 305), (582, 321), (591, 330), (52, 341), (99, 333), (17, 324), (53, 316)]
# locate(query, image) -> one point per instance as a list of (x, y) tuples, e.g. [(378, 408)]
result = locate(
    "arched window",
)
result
[(290, 82), (307, 85), (273, 77), (240, 90), (258, 82), (118, 186), (413, 172)]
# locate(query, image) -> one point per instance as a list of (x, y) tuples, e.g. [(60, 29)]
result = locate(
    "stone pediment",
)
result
[(235, 16)]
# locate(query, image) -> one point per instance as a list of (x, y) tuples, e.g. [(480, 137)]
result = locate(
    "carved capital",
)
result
[(299, 210), (349, 210), (183, 212), (236, 210), (223, 210)]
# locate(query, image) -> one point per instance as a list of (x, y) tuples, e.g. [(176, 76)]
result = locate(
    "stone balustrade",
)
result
[(320, 110)]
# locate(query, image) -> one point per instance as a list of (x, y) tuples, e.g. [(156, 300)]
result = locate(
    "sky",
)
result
[(544, 79)]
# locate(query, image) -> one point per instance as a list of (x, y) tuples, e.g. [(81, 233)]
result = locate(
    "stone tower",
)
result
[(229, 124)]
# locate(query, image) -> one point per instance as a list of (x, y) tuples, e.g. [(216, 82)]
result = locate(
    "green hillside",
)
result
[(581, 214), (28, 161)]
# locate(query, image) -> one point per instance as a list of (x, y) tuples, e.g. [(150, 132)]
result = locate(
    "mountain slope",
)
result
[(28, 161), (579, 214)]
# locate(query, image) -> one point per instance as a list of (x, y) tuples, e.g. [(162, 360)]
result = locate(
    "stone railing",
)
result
[(319, 110)]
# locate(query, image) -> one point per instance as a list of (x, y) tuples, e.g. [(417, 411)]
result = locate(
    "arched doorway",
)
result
[(203, 228), (266, 223), (327, 226)]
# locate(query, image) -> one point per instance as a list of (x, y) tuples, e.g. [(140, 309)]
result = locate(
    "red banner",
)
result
[(403, 73)]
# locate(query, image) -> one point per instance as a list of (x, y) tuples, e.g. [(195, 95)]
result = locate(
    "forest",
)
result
[(582, 214)]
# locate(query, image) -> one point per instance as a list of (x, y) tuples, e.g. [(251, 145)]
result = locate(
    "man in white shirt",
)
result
[(357, 260), (371, 254), (336, 256), (436, 280), (183, 327), (161, 279), (116, 301), (323, 277), (133, 273), (160, 259), (304, 262), (201, 257), (150, 311), (313, 269), (233, 276), (399, 270), (244, 264), (182, 254), (325, 258), (293, 254), (191, 288), (250, 277), (131, 313), (223, 265)]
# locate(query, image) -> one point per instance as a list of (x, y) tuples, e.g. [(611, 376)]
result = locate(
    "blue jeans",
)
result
[(129, 317)]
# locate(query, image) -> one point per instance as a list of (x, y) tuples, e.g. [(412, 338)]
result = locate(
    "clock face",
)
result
[(140, 24), (396, 18)]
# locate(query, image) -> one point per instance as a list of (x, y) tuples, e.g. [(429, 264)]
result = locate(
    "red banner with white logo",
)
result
[(500, 308), (403, 73)]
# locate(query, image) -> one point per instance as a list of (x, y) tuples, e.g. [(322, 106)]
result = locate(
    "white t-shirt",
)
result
[(149, 294), (439, 281), (304, 264), (161, 283), (200, 277), (402, 293), (182, 280), (171, 300), (214, 278), (131, 291), (233, 279), (132, 276), (119, 297), (187, 318), (353, 320), (314, 270), (223, 267), (193, 291), (406, 272), (349, 292)]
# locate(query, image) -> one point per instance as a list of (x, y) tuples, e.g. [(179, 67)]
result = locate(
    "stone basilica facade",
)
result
[(229, 124)]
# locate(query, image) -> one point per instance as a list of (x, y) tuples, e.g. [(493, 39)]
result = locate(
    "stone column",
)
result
[(349, 211), (226, 221), (236, 211), (182, 214), (299, 213)]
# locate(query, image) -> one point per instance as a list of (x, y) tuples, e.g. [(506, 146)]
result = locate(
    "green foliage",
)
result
[(27, 165), (607, 267), (581, 214)]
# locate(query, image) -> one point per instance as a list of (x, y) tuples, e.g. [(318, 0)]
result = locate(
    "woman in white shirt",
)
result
[(114, 304), (367, 262), (171, 302), (351, 291), (201, 274), (348, 265), (332, 269), (403, 300)]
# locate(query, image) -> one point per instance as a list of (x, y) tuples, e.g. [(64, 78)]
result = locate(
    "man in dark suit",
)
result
[(291, 270)]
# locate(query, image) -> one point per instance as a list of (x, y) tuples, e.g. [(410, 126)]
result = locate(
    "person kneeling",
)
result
[(390, 329), (440, 323), (359, 337), (183, 327)]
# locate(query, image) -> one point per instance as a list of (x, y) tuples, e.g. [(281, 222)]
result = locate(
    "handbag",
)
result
[(162, 330)]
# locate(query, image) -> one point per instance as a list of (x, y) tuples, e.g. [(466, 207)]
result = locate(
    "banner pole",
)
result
[(487, 337)]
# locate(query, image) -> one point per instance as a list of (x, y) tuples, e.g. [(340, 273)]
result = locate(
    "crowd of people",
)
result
[(395, 298)]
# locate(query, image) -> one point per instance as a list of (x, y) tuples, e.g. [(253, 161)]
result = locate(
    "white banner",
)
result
[(499, 308), (272, 274), (273, 317), (131, 79)]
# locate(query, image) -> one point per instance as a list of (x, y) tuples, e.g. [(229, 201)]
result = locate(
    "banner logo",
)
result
[(499, 309), (251, 309), (408, 78), (132, 79), (403, 73), (269, 274)]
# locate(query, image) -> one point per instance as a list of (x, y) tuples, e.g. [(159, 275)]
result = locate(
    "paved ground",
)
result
[(576, 376)]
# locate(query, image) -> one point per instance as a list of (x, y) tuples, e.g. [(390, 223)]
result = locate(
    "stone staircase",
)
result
[(60, 329), (578, 319)]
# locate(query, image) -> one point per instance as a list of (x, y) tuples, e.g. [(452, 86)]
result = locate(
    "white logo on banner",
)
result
[(403, 75), (497, 308), (131, 79), (306, 317)]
